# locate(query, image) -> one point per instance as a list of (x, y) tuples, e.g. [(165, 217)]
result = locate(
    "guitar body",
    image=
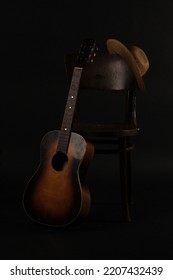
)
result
[(56, 194)]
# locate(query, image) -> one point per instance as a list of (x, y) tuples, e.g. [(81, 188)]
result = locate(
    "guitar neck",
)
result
[(69, 110)]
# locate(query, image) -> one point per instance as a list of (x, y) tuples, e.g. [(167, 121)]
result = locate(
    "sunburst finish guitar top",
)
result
[(58, 197)]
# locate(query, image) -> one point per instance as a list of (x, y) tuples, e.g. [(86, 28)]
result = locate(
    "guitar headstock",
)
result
[(87, 52)]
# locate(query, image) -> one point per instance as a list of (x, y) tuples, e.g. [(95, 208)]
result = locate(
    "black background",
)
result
[(35, 35)]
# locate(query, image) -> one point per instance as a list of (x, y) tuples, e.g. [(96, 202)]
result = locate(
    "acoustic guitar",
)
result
[(56, 195)]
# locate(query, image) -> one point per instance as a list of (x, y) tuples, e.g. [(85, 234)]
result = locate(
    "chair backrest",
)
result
[(107, 72)]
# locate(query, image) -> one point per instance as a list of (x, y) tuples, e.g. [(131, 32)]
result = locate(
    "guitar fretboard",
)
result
[(69, 111)]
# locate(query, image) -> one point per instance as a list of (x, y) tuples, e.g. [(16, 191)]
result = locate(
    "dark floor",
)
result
[(103, 235)]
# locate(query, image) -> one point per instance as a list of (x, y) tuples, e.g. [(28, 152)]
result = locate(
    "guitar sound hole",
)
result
[(59, 160)]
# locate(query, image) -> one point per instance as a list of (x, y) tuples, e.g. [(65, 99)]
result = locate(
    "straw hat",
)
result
[(134, 56)]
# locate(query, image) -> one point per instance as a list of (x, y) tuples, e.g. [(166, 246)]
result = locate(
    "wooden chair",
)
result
[(109, 73)]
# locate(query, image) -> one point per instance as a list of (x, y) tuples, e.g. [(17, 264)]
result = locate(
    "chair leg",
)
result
[(125, 178)]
